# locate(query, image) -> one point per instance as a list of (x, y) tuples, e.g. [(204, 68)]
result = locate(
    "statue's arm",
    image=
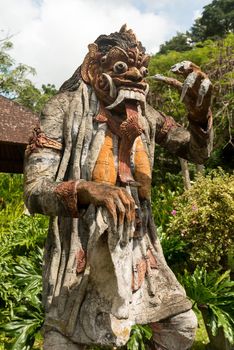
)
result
[(43, 193), (194, 143)]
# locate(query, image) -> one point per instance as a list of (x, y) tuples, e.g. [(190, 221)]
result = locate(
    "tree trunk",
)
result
[(200, 168), (185, 173)]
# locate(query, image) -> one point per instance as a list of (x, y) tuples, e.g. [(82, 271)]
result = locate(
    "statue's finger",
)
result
[(123, 225), (188, 83), (203, 90), (110, 205), (129, 204), (121, 210)]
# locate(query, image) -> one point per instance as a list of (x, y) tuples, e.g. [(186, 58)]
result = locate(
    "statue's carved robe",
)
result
[(96, 282)]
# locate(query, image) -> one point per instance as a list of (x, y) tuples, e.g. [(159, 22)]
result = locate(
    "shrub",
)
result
[(204, 220)]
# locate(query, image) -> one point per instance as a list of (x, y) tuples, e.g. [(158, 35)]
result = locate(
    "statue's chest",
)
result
[(118, 164)]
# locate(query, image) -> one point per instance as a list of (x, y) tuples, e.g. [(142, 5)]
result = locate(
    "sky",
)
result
[(52, 35)]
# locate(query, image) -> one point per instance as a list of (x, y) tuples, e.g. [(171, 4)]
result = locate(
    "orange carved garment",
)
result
[(142, 172), (106, 172)]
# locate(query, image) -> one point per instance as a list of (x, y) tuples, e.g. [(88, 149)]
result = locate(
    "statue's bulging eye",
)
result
[(120, 67), (144, 71)]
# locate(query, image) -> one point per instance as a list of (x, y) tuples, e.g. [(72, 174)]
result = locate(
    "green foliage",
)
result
[(174, 250), (23, 315), (217, 20), (179, 42), (11, 187), (214, 296), (163, 197), (201, 339), (204, 220), (140, 335), (19, 233), (22, 238), (15, 83)]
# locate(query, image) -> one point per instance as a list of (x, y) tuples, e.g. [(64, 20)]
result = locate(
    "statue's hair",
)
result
[(72, 83), (125, 39)]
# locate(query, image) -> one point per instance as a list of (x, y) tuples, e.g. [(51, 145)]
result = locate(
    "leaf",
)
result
[(215, 292), (139, 336)]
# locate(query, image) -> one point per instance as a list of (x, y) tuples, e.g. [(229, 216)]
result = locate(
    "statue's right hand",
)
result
[(117, 200)]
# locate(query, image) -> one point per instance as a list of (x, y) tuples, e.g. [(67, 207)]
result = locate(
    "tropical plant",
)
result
[(23, 314), (140, 336), (22, 238), (213, 294)]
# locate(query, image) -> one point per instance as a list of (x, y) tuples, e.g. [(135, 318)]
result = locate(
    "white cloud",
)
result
[(52, 35)]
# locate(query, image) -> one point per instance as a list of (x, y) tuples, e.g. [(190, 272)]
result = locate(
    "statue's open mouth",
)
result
[(129, 94), (128, 91)]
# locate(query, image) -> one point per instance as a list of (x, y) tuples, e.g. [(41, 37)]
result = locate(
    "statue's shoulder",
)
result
[(152, 115), (58, 103)]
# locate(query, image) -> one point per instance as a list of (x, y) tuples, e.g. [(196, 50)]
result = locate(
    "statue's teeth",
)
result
[(113, 91), (118, 100), (127, 94)]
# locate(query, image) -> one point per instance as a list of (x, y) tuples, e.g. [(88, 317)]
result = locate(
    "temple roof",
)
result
[(16, 124)]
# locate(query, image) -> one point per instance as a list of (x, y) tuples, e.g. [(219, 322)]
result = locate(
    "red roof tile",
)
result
[(16, 125), (16, 122)]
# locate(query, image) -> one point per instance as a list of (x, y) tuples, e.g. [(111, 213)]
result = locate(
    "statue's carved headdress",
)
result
[(124, 39), (107, 46)]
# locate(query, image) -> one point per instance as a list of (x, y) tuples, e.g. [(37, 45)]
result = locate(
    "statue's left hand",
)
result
[(117, 200), (195, 91)]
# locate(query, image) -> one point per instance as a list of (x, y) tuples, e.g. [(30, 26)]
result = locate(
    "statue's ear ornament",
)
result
[(145, 60), (89, 59)]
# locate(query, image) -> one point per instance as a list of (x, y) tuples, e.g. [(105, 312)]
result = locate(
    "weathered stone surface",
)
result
[(98, 305), (104, 268)]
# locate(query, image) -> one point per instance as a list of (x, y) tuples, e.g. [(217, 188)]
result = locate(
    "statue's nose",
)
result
[(134, 74)]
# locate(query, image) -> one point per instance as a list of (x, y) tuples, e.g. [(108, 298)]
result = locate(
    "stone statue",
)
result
[(88, 166)]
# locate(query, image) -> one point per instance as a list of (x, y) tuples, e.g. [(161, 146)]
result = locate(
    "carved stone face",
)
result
[(117, 76)]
